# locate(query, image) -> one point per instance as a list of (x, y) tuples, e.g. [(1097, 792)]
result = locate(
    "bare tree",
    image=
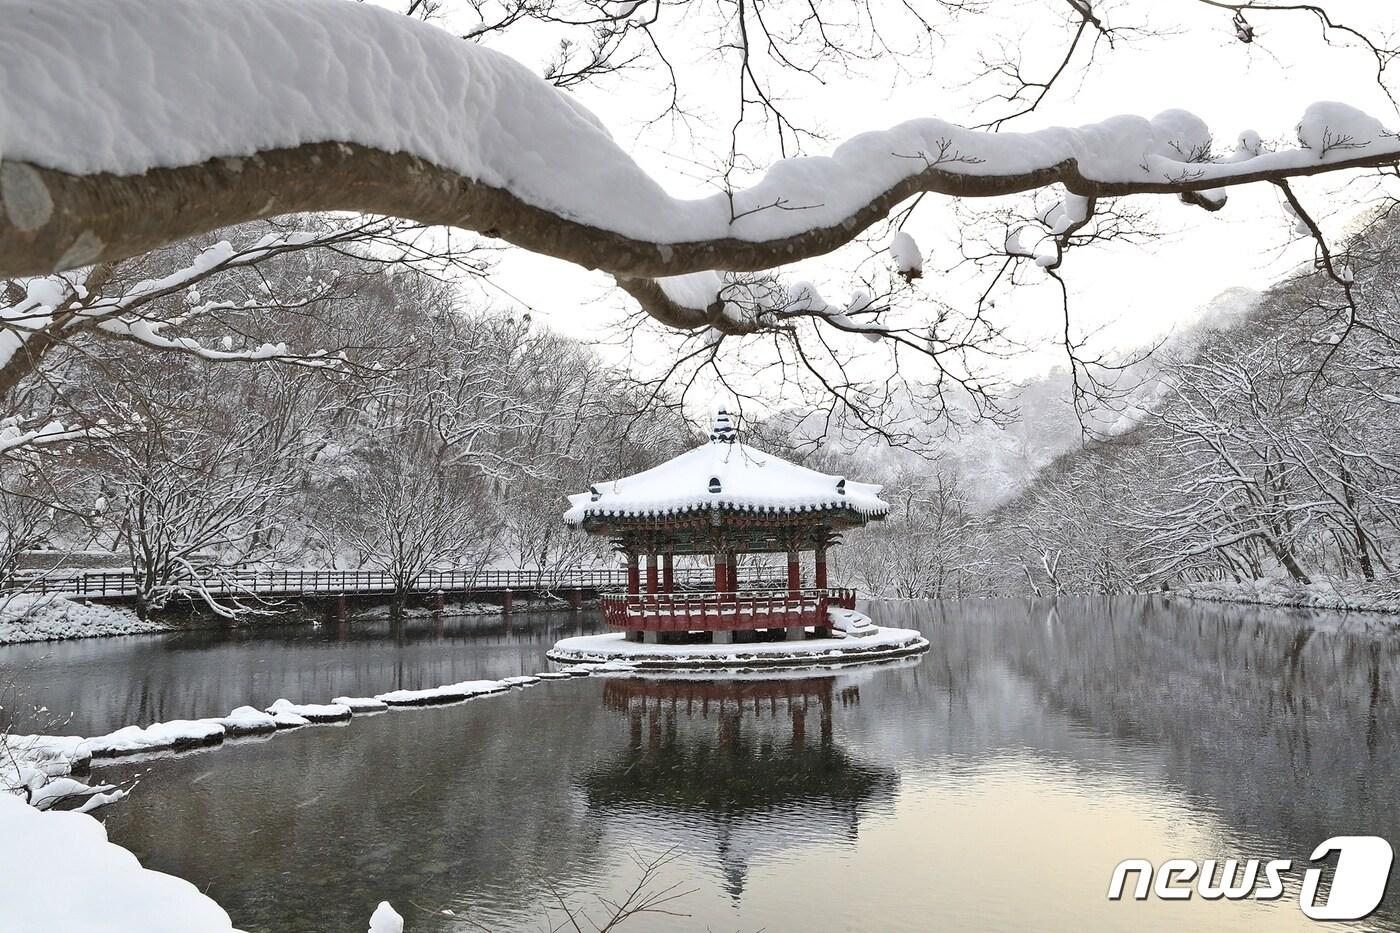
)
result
[(702, 267)]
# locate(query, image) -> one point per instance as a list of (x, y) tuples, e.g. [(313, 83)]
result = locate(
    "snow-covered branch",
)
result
[(434, 128)]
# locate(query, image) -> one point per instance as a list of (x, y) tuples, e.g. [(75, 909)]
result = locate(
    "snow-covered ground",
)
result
[(1322, 594), (53, 618), (59, 872), (67, 876)]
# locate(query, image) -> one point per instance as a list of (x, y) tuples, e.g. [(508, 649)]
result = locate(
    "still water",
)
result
[(990, 785)]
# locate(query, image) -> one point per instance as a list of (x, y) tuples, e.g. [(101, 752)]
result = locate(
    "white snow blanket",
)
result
[(51, 755), (53, 618), (1321, 594), (245, 720), (158, 736), (231, 78), (747, 479), (448, 693), (311, 712), (883, 643), (359, 705), (850, 623), (59, 872)]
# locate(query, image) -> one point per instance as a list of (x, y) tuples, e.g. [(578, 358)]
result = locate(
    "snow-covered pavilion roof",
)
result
[(724, 474)]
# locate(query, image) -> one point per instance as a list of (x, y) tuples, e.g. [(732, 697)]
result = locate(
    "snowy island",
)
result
[(719, 501)]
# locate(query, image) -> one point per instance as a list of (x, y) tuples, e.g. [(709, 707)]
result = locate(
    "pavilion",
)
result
[(717, 502)]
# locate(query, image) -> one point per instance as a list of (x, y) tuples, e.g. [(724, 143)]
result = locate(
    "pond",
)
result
[(992, 784)]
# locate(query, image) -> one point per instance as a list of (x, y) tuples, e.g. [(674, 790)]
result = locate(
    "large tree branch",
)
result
[(488, 146)]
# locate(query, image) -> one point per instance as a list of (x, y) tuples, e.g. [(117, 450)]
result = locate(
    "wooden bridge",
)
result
[(572, 582)]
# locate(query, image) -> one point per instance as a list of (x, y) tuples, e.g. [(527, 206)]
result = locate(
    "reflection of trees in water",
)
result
[(1287, 724), (744, 757), (111, 683), (305, 833)]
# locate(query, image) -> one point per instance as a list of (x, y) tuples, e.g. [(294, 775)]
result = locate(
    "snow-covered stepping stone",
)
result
[(361, 704), (449, 693), (554, 675), (522, 680), (158, 736), (312, 712), (247, 721), (286, 720)]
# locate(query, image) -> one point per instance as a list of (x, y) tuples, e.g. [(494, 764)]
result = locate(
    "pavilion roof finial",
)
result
[(724, 431)]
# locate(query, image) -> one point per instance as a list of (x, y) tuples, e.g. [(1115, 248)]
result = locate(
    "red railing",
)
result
[(717, 612)]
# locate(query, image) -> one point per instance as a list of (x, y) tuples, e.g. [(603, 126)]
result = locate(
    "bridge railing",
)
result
[(304, 582)]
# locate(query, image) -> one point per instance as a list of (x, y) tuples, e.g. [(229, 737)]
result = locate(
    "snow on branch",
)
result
[(429, 127), (57, 307), (14, 437)]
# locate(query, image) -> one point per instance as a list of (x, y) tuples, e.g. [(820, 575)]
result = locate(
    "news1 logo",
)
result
[(1358, 881)]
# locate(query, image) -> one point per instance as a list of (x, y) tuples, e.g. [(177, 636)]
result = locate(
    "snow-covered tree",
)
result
[(435, 125)]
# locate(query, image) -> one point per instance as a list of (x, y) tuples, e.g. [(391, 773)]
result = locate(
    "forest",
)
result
[(1260, 444)]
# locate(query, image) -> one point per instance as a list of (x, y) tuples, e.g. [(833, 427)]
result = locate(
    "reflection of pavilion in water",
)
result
[(752, 763)]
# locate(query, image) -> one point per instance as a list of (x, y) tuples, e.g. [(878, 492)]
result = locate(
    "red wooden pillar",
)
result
[(721, 571), (634, 577), (651, 575), (794, 574), (819, 577), (668, 574)]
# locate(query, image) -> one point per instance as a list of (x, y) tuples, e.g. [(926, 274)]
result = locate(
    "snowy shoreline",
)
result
[(25, 619), (1323, 595)]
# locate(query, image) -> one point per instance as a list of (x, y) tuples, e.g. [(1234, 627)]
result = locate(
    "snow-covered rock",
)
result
[(448, 693), (59, 872), (359, 705), (245, 720), (851, 623), (159, 736), (311, 712), (286, 720)]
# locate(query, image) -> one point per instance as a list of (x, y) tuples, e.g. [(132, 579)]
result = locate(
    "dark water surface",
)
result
[(95, 685), (991, 785)]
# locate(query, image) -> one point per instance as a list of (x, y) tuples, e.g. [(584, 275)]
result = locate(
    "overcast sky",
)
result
[(1136, 293)]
